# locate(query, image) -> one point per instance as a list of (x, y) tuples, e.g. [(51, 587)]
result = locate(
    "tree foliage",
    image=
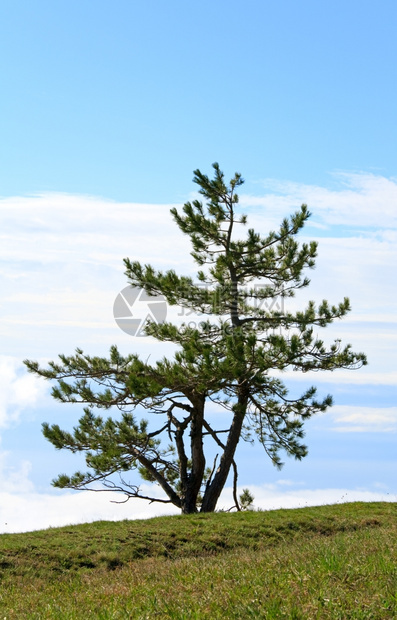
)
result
[(227, 361)]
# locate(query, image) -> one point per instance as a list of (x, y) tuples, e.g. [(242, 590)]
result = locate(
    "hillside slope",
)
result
[(335, 561)]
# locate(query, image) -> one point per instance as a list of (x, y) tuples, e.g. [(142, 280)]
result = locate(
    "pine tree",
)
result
[(228, 360)]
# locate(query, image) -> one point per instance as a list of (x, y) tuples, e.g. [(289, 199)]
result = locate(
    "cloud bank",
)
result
[(33, 511)]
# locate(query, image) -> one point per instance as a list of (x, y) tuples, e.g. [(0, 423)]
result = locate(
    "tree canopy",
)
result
[(226, 362)]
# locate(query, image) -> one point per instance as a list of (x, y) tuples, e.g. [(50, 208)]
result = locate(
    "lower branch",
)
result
[(235, 476)]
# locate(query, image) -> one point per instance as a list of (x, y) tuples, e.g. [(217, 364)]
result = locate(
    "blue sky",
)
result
[(106, 109)]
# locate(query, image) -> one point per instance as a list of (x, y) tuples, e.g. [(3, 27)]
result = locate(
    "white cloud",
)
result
[(62, 265), (359, 268), (362, 376), (360, 200), (58, 227), (31, 511), (22, 512), (12, 479), (287, 483), (363, 419), (18, 390)]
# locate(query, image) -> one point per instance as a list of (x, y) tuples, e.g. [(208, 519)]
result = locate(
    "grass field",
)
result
[(335, 561)]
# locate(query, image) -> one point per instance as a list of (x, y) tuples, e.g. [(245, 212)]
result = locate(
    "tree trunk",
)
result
[(195, 477), (215, 488)]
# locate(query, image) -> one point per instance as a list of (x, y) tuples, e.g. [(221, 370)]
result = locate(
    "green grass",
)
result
[(326, 562)]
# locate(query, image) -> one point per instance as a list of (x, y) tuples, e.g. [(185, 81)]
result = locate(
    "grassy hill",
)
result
[(335, 561)]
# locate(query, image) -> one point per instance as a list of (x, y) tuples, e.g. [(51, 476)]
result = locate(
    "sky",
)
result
[(106, 109)]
